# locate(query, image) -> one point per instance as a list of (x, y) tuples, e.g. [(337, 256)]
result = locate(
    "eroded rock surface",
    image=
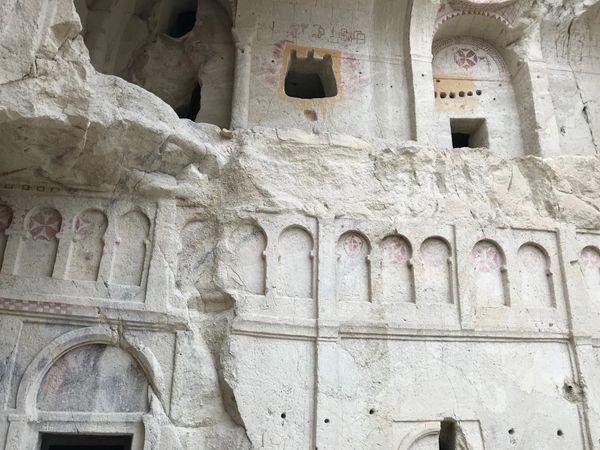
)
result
[(333, 225)]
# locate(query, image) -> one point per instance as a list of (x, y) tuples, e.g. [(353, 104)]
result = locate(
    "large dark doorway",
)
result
[(85, 442)]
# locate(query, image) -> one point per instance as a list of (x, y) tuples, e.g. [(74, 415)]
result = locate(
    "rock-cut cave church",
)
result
[(299, 224)]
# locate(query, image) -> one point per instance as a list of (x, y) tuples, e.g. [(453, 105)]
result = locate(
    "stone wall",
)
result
[(283, 272)]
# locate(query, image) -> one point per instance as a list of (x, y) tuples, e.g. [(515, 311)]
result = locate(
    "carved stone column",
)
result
[(244, 37)]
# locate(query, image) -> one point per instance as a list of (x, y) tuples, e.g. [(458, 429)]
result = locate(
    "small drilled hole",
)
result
[(511, 431), (452, 94), (470, 93), (326, 421), (371, 411), (437, 81), (435, 94), (478, 92), (559, 432), (461, 94), (283, 415), (443, 95)]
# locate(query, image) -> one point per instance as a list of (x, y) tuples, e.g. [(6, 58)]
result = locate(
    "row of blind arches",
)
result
[(90, 236), (491, 277), (393, 276), (395, 269)]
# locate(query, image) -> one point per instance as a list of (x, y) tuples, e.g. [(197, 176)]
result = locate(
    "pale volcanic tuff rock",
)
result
[(94, 120), (127, 231)]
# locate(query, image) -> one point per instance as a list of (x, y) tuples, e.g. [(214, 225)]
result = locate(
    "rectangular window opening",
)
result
[(471, 133), (310, 77), (85, 442)]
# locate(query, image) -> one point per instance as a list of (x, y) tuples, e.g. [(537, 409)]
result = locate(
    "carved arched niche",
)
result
[(88, 245), (489, 274), (196, 260), (295, 268), (474, 95), (37, 254), (248, 266), (589, 262), (94, 378), (83, 377), (536, 285), (353, 274), (133, 230), (397, 278), (6, 216), (437, 271)]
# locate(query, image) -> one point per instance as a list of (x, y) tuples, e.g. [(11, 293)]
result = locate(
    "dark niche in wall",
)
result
[(447, 439), (310, 77), (83, 442), (191, 110), (184, 23), (469, 133), (182, 18)]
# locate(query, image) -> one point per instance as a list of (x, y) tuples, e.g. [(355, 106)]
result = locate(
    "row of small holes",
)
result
[(559, 432), (284, 415), (460, 94)]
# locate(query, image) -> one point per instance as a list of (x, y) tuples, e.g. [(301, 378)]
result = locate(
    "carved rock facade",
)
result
[(299, 225)]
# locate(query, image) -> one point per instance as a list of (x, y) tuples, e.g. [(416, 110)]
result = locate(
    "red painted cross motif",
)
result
[(45, 224), (465, 58), (84, 225), (487, 258), (590, 258), (395, 250), (5, 217), (353, 245)]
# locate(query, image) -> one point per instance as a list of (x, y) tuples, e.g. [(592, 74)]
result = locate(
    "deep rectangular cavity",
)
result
[(85, 442), (471, 133)]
